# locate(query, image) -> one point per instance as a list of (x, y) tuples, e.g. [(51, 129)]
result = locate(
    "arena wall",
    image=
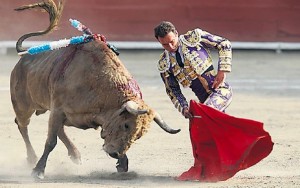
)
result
[(134, 20)]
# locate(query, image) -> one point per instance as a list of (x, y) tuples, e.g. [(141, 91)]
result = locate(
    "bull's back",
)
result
[(31, 79), (79, 78)]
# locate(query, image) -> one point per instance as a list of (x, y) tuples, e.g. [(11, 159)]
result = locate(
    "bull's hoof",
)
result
[(32, 160), (31, 157), (76, 160), (37, 174), (75, 156), (122, 164)]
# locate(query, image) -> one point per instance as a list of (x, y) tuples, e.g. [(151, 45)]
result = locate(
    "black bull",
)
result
[(85, 86)]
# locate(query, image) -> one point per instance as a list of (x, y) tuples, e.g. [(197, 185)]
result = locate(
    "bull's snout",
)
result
[(115, 155), (112, 151), (122, 164)]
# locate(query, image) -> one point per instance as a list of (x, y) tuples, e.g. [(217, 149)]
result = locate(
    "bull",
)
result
[(84, 85)]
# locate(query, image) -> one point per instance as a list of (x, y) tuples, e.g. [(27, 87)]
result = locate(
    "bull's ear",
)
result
[(103, 134)]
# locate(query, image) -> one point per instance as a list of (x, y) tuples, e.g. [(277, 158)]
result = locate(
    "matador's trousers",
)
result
[(219, 98)]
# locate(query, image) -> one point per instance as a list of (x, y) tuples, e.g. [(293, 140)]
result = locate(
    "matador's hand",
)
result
[(186, 113), (219, 79)]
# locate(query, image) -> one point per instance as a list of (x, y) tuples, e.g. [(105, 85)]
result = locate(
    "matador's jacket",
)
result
[(197, 71)]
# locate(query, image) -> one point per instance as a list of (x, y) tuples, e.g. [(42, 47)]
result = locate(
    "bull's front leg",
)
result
[(122, 164), (72, 150), (55, 124)]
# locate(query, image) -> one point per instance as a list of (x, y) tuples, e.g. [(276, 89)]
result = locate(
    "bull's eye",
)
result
[(126, 126)]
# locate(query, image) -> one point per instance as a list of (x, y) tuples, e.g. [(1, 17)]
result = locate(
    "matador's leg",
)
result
[(220, 98)]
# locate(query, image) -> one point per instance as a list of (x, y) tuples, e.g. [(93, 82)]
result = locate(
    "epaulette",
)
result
[(191, 38), (163, 63)]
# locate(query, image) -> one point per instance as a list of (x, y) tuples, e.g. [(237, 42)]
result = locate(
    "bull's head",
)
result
[(127, 125)]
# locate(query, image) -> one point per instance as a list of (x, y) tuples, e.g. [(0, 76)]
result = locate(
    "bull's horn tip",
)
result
[(175, 131)]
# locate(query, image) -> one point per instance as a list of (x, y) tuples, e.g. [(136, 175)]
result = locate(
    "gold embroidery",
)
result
[(204, 84), (194, 65), (163, 64), (183, 75), (209, 42), (226, 44), (225, 53), (186, 83), (191, 38), (176, 70)]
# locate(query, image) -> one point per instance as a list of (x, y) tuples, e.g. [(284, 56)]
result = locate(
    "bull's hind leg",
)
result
[(55, 124), (72, 150), (23, 121)]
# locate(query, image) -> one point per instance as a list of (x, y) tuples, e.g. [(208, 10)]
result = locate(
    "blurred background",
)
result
[(267, 24)]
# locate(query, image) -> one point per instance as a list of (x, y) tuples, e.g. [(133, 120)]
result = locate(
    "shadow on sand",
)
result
[(92, 178)]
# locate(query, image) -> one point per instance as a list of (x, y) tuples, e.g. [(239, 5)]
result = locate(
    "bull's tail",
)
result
[(54, 12)]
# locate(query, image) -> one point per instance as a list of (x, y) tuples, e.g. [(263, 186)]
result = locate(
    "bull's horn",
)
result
[(158, 119), (132, 107)]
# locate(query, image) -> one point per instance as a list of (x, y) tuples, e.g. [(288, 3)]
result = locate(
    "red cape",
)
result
[(223, 144)]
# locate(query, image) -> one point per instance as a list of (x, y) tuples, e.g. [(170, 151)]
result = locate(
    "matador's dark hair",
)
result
[(163, 29)]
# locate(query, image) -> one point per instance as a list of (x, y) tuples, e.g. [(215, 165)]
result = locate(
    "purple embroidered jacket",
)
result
[(194, 47)]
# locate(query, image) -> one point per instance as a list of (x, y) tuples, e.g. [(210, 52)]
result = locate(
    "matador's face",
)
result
[(169, 42)]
